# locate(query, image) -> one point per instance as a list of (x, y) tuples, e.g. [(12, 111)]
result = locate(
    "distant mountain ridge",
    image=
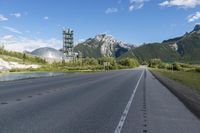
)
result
[(185, 48), (103, 45), (197, 28)]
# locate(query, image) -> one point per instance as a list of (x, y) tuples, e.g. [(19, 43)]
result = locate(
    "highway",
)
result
[(126, 101)]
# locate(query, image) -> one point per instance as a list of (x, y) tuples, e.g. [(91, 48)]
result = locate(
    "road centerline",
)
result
[(126, 110)]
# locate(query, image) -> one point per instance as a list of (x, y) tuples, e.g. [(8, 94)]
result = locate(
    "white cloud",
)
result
[(46, 18), (21, 44), (136, 4), (7, 37), (12, 29), (181, 3), (3, 18), (111, 10), (17, 15), (194, 17)]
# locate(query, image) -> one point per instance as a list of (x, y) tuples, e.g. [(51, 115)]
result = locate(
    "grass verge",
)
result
[(190, 79)]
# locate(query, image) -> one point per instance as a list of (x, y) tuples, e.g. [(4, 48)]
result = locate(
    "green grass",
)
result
[(191, 79)]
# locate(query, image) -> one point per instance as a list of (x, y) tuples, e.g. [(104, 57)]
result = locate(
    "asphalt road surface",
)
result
[(128, 101)]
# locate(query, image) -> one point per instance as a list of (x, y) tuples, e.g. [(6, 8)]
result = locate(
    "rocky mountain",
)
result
[(197, 28), (189, 46), (185, 48), (103, 45), (151, 51)]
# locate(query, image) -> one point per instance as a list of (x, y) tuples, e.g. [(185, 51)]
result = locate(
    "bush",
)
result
[(144, 63), (169, 66), (154, 63), (177, 67), (183, 65), (162, 66), (121, 67), (110, 60), (90, 62), (197, 69), (128, 62)]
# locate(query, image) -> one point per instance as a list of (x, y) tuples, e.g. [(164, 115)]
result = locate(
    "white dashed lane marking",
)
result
[(125, 113)]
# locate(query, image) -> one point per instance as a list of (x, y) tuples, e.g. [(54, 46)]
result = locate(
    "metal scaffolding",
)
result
[(68, 42)]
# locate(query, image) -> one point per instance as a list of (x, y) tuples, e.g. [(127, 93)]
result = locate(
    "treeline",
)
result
[(25, 57), (176, 66), (104, 63)]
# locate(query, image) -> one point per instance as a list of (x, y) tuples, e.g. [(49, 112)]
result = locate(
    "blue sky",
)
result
[(28, 24)]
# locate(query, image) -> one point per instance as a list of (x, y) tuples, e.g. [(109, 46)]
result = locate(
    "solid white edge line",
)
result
[(125, 113)]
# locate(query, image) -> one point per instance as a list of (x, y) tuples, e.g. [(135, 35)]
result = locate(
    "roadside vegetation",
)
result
[(186, 74), (86, 65), (81, 65), (104, 63)]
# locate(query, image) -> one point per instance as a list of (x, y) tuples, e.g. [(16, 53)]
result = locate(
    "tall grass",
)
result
[(189, 78), (176, 66)]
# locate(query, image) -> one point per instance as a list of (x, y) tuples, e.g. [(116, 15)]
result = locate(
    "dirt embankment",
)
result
[(188, 96), (7, 65)]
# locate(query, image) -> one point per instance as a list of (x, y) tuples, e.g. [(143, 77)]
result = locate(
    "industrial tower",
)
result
[(68, 42)]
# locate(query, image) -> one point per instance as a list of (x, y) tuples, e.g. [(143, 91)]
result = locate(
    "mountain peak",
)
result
[(197, 27), (103, 45), (104, 37)]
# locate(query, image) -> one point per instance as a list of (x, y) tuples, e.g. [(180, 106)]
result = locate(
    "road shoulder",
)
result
[(189, 97)]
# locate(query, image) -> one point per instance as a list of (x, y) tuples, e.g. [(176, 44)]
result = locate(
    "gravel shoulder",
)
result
[(189, 97)]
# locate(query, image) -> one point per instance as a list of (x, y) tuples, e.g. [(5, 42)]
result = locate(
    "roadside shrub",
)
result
[(110, 60), (197, 69), (177, 67), (129, 62), (144, 63), (183, 65), (121, 67), (162, 66), (90, 61), (154, 63), (169, 67), (16, 70)]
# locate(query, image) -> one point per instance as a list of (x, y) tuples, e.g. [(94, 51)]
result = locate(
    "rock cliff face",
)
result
[(197, 28), (174, 46), (104, 45)]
